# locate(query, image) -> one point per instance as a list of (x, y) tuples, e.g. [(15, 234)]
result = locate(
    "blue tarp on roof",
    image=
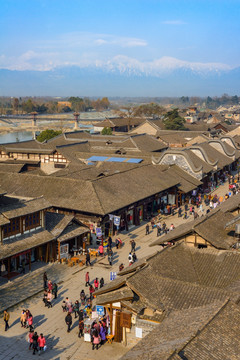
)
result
[(134, 161), (116, 159), (97, 158)]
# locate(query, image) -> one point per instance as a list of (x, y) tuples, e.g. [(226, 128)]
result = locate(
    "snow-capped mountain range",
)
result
[(124, 76)]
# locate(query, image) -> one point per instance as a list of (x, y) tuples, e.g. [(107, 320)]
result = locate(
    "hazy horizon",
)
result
[(136, 46)]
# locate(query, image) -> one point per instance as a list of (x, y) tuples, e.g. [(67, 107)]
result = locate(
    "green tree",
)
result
[(173, 121), (77, 103), (41, 109), (106, 131), (184, 99), (28, 106), (48, 134), (66, 109), (15, 105)]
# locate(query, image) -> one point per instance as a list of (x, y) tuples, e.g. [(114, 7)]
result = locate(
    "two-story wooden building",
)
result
[(29, 232)]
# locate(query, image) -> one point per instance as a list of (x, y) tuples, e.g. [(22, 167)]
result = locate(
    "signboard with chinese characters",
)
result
[(125, 320), (100, 310), (113, 275)]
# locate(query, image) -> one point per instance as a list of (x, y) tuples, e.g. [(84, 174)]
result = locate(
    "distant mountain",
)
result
[(122, 79)]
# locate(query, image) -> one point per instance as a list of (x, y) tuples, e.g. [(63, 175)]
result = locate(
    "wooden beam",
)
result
[(30, 260), (111, 318), (47, 253), (59, 251), (9, 264)]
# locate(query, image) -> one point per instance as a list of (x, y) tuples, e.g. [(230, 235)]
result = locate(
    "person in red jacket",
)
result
[(96, 283), (41, 342), (91, 291), (30, 321), (30, 339), (101, 250)]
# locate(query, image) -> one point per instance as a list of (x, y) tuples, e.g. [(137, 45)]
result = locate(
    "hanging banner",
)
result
[(117, 220), (111, 216), (98, 232)]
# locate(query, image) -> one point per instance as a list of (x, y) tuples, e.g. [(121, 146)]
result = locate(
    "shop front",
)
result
[(130, 217)]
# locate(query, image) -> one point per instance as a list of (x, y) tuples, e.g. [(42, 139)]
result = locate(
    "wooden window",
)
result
[(32, 221), (11, 229)]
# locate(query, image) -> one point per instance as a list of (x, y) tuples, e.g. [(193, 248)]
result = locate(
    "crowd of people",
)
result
[(50, 291), (197, 205)]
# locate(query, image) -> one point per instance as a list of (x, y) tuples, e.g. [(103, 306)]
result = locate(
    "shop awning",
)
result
[(18, 246), (115, 296), (73, 233)]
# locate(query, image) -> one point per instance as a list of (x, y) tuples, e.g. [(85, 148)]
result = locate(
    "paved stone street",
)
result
[(26, 292)]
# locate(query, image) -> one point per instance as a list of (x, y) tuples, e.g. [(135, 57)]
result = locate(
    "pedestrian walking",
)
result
[(55, 290), (30, 321), (41, 343), (69, 305), (87, 279), (81, 328), (159, 229), (96, 339), (96, 283), (88, 259), (179, 212), (64, 306), (68, 321), (45, 280), (110, 259), (121, 267), (23, 318), (147, 229), (101, 282), (49, 299), (101, 250), (91, 291), (110, 256), (35, 342), (82, 297), (102, 333), (130, 258), (30, 339), (133, 246), (76, 308), (134, 257), (109, 242), (50, 286), (6, 317)]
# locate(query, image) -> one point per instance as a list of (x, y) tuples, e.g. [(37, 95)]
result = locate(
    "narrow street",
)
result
[(26, 292)]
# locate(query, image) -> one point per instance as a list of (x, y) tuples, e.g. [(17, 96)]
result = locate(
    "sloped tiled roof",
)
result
[(24, 207), (219, 339), (172, 334), (210, 227), (25, 242)]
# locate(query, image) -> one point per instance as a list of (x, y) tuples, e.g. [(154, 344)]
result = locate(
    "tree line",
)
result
[(13, 106)]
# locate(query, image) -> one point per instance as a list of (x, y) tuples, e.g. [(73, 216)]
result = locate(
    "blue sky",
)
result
[(44, 34)]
